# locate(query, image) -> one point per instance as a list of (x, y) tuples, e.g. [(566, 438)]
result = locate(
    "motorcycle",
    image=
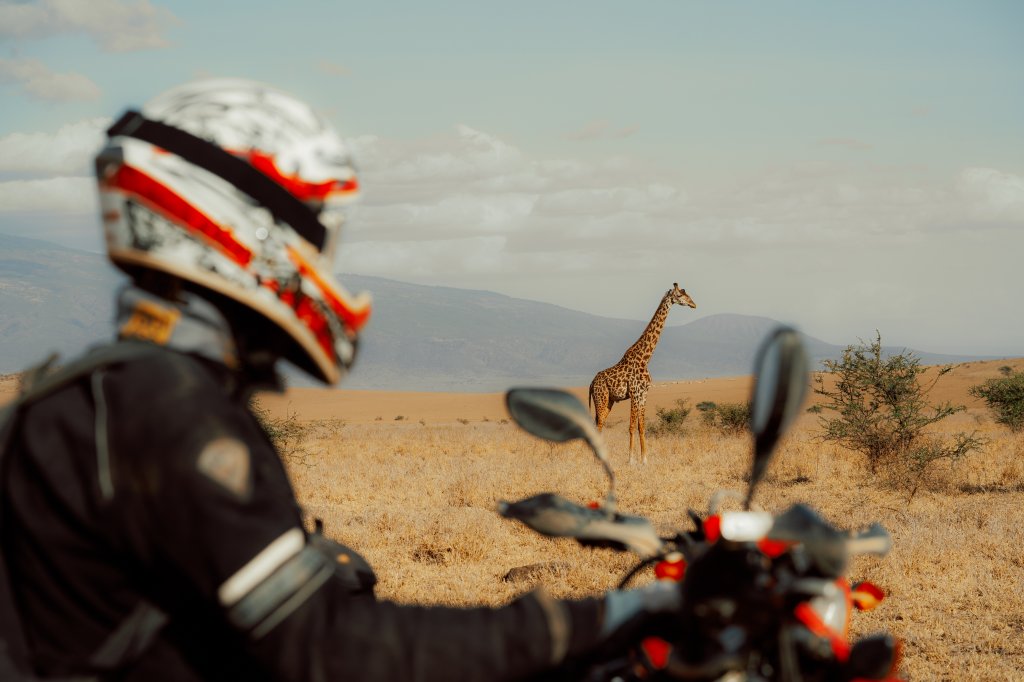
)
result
[(765, 596)]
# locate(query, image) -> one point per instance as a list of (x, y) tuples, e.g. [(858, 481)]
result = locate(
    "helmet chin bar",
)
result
[(308, 355), (208, 156)]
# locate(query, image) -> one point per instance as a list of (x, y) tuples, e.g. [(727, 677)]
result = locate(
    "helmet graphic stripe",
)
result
[(354, 316), (302, 189), (161, 198), (223, 164)]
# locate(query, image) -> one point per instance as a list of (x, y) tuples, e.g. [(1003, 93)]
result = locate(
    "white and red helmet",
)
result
[(238, 188)]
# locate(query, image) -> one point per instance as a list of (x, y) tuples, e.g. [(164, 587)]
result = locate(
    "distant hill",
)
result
[(420, 337), (440, 338), (51, 299)]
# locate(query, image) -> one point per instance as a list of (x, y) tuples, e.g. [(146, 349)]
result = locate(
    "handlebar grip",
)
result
[(555, 516), (872, 540)]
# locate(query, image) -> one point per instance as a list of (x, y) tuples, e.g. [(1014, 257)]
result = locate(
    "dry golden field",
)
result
[(411, 480), (416, 496)]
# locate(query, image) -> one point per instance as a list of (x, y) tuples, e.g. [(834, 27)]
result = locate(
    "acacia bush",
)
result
[(285, 432), (670, 420), (733, 417), (1005, 397), (729, 418), (879, 408)]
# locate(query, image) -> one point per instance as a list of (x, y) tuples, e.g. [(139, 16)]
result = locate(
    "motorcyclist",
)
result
[(149, 528)]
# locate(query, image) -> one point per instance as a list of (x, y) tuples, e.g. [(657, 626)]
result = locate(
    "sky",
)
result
[(844, 167)]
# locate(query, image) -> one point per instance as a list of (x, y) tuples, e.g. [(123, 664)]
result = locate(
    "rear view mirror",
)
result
[(559, 416), (549, 413), (780, 385)]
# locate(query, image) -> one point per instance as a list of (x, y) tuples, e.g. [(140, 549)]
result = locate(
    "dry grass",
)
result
[(417, 500), (416, 497)]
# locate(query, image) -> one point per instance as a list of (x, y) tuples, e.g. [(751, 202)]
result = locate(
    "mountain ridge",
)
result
[(420, 337)]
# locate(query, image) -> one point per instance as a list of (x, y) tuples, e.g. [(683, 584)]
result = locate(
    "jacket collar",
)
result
[(189, 325)]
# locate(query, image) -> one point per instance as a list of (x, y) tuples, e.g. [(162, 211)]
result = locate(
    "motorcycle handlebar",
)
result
[(872, 540)]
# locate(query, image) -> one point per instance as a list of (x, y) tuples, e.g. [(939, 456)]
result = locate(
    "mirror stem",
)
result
[(610, 502)]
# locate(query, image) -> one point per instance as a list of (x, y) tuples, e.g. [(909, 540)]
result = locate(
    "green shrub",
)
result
[(708, 412), (881, 409), (1005, 397), (670, 420), (284, 432), (729, 418), (733, 417)]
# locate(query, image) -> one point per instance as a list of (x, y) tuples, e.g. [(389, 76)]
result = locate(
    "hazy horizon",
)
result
[(679, 317)]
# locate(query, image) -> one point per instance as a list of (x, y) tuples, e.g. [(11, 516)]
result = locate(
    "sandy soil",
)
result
[(369, 406), (316, 404)]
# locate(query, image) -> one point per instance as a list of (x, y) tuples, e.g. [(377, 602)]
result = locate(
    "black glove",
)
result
[(631, 615)]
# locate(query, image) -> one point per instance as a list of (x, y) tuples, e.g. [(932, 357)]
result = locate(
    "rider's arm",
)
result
[(219, 524)]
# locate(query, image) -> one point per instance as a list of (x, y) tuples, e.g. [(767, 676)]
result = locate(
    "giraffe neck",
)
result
[(644, 346)]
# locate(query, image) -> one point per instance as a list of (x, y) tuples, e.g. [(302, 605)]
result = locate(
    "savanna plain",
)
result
[(411, 481)]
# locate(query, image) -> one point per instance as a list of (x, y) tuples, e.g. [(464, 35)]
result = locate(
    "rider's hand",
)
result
[(632, 614)]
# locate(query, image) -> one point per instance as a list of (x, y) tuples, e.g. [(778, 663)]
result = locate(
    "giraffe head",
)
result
[(679, 296)]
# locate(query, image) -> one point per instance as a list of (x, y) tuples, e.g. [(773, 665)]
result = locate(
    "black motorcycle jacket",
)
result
[(147, 490)]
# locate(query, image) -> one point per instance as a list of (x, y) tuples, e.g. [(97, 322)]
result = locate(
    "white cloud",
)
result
[(602, 200), (472, 209), (992, 193), (473, 193), (19, 18), (452, 190), (115, 25), (53, 195), (794, 242), (426, 256), (69, 151), (473, 184), (37, 80), (468, 156)]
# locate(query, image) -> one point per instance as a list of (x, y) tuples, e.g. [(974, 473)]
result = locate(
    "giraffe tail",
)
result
[(590, 395)]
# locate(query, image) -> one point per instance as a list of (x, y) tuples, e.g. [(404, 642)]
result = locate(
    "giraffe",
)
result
[(629, 378)]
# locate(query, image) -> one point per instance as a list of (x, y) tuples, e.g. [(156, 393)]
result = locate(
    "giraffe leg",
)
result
[(630, 451), (636, 416), (601, 405), (642, 430), (637, 412)]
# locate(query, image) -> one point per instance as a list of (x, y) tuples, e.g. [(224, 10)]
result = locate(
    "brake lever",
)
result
[(824, 546), (874, 539), (555, 516)]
